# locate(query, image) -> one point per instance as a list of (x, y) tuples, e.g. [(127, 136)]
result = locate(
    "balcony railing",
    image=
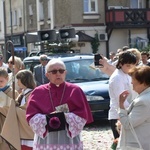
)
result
[(125, 18)]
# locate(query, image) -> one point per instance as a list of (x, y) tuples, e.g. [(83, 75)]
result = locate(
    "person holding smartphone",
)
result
[(118, 82)]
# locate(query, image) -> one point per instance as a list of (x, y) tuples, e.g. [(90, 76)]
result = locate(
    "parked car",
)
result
[(92, 81)]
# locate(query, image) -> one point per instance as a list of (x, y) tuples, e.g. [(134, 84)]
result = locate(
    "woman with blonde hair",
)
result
[(18, 65), (137, 53)]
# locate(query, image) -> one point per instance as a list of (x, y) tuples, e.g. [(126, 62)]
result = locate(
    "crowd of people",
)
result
[(49, 113), (46, 112), (129, 85)]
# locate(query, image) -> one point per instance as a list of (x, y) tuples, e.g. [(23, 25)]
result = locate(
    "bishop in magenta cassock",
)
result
[(58, 111)]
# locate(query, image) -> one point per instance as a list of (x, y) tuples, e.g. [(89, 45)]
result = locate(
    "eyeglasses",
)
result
[(61, 71), (10, 62), (44, 59)]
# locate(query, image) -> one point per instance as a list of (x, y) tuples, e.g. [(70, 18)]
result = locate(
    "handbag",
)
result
[(56, 121), (130, 147)]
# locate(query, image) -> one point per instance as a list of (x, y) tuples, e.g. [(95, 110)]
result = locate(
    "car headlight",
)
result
[(94, 98)]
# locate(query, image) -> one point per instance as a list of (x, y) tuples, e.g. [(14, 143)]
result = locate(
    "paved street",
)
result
[(97, 136)]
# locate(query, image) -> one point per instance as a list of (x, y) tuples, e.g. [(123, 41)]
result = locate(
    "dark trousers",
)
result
[(114, 128)]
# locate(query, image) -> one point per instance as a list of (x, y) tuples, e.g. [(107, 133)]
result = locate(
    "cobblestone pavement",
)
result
[(97, 136)]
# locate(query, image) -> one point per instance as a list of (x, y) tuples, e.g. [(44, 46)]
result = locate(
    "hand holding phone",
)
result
[(97, 57)]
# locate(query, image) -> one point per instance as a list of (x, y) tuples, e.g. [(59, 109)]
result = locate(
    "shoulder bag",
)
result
[(130, 147)]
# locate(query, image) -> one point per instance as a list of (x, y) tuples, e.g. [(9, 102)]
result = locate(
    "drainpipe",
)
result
[(4, 15), (38, 17), (24, 26), (11, 19), (107, 42), (52, 13)]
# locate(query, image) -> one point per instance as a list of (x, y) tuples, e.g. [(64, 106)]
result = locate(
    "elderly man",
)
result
[(39, 71), (58, 111)]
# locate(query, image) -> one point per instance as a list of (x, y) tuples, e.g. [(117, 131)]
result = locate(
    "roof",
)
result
[(84, 37)]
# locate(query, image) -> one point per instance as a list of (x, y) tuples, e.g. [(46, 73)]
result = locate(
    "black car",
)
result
[(80, 71)]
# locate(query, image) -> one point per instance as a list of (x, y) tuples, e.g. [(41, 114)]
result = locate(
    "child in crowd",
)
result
[(23, 139), (6, 95), (18, 65), (6, 91)]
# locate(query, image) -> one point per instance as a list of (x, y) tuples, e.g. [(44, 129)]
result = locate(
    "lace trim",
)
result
[(38, 123), (58, 147), (76, 124)]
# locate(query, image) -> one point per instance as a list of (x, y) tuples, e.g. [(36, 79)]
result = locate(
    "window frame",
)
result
[(19, 17), (15, 21), (30, 10), (41, 11), (49, 9), (88, 6)]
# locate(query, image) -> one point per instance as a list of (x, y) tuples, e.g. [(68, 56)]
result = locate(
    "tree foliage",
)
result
[(146, 49), (95, 43)]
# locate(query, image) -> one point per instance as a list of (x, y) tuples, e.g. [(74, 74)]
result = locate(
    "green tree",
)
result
[(95, 43), (147, 48)]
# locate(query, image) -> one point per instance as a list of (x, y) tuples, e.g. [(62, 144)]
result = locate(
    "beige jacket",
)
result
[(6, 97), (16, 124), (138, 114), (5, 100)]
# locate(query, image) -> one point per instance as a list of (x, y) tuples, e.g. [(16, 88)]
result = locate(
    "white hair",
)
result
[(43, 56), (54, 61)]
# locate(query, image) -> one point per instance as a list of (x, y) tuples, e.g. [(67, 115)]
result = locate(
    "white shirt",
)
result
[(24, 98), (119, 82), (4, 66), (10, 81)]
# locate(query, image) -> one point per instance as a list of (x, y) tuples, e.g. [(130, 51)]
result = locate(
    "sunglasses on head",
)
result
[(10, 62), (44, 59), (61, 71)]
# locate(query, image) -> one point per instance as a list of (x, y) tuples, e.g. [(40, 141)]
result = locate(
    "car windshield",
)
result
[(29, 65), (80, 70), (83, 70)]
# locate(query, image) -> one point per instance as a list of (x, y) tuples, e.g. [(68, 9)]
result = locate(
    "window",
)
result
[(31, 21), (41, 13), (49, 9), (19, 17), (80, 70), (90, 6), (16, 40), (15, 18), (30, 10), (137, 4), (20, 21)]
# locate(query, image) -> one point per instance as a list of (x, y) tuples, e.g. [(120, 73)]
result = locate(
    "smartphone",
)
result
[(97, 57)]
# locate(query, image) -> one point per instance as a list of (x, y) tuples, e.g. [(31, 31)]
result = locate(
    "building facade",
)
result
[(117, 23)]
